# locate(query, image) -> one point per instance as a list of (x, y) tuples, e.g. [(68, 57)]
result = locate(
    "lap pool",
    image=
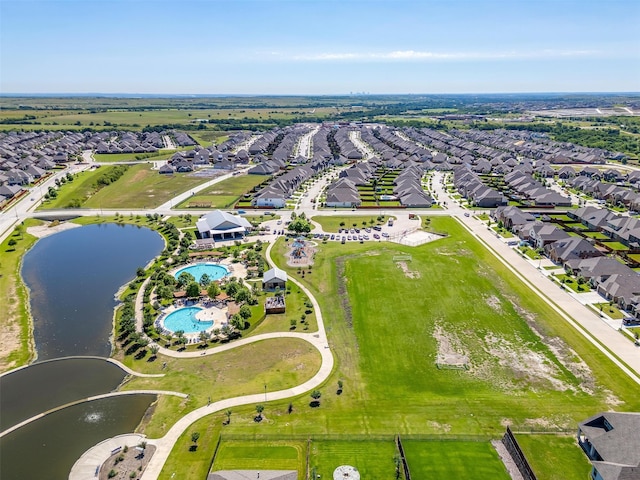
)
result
[(213, 270), (185, 319)]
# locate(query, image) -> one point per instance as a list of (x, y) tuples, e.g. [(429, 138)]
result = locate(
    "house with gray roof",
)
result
[(274, 278), (570, 248), (612, 443)]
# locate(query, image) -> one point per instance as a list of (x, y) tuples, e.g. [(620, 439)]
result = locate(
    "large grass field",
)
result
[(226, 193), (139, 187), (142, 187), (386, 352), (444, 460)]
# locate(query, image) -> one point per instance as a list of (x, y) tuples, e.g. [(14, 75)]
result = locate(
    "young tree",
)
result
[(193, 290), (316, 398), (259, 410), (213, 290)]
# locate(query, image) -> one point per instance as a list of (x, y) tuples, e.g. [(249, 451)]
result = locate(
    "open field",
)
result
[(388, 330), (226, 193), (142, 187), (555, 457), (453, 459), (75, 193), (261, 455)]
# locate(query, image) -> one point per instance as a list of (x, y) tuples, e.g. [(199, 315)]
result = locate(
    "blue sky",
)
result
[(319, 47)]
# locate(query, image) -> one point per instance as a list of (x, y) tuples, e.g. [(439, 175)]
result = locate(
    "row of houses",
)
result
[(612, 279), (127, 142)]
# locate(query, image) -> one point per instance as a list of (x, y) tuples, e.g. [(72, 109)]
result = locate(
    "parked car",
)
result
[(332, 237), (385, 234), (376, 236)]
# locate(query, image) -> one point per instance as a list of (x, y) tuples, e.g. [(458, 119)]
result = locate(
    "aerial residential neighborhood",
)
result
[(319, 240)]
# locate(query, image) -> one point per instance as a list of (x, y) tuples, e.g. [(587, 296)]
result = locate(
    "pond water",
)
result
[(73, 277), (48, 447), (46, 385)]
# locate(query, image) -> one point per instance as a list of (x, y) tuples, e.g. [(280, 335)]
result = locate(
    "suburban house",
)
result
[(511, 216), (220, 225), (596, 269), (623, 289), (566, 249), (612, 443), (274, 278), (542, 234)]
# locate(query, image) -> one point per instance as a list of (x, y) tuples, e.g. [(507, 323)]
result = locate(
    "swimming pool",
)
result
[(185, 319), (215, 272)]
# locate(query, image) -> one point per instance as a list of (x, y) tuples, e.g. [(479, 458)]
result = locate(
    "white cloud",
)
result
[(417, 55)]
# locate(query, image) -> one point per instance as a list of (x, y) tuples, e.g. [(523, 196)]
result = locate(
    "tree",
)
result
[(339, 392), (193, 290), (213, 290), (12, 243), (195, 436), (204, 337), (259, 410), (245, 312), (205, 280), (316, 398), (154, 349), (227, 413), (185, 278)]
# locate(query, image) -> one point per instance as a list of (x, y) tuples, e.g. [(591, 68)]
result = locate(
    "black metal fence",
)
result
[(511, 444)]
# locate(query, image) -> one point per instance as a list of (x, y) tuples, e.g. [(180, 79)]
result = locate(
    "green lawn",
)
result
[(554, 457), (596, 235), (226, 193), (609, 310), (142, 187), (616, 246), (444, 460), (572, 283), (261, 455), (373, 459), (333, 223)]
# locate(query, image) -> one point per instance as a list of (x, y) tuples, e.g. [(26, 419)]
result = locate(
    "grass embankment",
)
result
[(226, 193), (16, 345), (385, 331)]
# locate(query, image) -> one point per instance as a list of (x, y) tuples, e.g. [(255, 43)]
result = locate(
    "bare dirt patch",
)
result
[(494, 302), (524, 363), (407, 271), (450, 348), (50, 228), (439, 427)]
